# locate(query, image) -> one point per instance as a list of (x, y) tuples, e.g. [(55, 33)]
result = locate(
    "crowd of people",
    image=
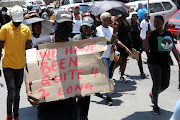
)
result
[(122, 32)]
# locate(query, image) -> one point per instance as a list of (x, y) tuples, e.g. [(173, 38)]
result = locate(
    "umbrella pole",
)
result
[(148, 8)]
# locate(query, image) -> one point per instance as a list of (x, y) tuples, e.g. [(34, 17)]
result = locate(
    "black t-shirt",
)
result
[(135, 36), (161, 45)]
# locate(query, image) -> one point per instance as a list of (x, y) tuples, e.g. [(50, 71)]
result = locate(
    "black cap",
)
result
[(63, 16)]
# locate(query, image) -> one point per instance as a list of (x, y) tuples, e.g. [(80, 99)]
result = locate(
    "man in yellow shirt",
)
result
[(16, 38)]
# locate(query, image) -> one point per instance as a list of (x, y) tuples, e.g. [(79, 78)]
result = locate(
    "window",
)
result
[(156, 7), (144, 6), (167, 5), (177, 17)]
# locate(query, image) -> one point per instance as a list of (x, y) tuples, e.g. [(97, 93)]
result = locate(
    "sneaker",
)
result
[(109, 101), (150, 95), (156, 109), (9, 117), (143, 75), (122, 79)]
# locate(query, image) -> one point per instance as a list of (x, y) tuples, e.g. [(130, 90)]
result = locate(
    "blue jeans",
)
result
[(176, 115), (108, 63), (14, 80)]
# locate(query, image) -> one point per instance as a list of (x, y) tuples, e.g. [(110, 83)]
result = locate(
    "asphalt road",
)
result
[(131, 100)]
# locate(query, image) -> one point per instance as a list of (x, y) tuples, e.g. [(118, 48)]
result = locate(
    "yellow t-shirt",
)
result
[(52, 17), (14, 45)]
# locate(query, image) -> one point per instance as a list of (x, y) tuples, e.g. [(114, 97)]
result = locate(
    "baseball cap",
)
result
[(17, 13), (76, 7), (63, 16), (87, 21)]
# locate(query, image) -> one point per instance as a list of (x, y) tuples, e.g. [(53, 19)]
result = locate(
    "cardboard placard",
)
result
[(62, 70)]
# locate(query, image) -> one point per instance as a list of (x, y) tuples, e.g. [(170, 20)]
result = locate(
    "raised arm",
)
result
[(146, 45)]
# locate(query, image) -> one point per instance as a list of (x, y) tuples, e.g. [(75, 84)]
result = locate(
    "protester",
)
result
[(36, 34), (5, 18), (136, 41), (15, 42), (61, 109), (88, 30), (106, 31), (141, 12), (77, 19), (144, 26), (123, 45), (159, 43)]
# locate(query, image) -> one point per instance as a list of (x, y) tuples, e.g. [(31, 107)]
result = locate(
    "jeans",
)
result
[(108, 63), (160, 76), (176, 115), (14, 79)]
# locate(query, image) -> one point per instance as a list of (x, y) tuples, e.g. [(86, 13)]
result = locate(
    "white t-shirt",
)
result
[(77, 25), (105, 32), (35, 41), (144, 28)]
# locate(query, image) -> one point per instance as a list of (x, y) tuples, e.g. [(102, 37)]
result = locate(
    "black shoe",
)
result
[(144, 75), (99, 95), (109, 101), (156, 110)]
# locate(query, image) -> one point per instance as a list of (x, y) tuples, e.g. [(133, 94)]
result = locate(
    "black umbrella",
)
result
[(114, 7)]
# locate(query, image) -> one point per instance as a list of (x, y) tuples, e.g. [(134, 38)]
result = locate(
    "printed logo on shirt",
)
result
[(165, 43)]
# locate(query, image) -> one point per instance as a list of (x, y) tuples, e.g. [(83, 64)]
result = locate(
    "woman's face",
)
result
[(87, 31), (37, 28), (76, 10), (158, 24)]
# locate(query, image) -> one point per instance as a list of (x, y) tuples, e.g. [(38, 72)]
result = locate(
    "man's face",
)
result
[(16, 24), (108, 20), (37, 28), (63, 30)]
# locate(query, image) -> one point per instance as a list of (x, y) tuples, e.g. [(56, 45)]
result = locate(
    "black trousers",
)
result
[(84, 106), (14, 80)]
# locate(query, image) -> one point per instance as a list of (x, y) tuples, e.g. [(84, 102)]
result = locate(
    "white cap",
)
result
[(17, 13)]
